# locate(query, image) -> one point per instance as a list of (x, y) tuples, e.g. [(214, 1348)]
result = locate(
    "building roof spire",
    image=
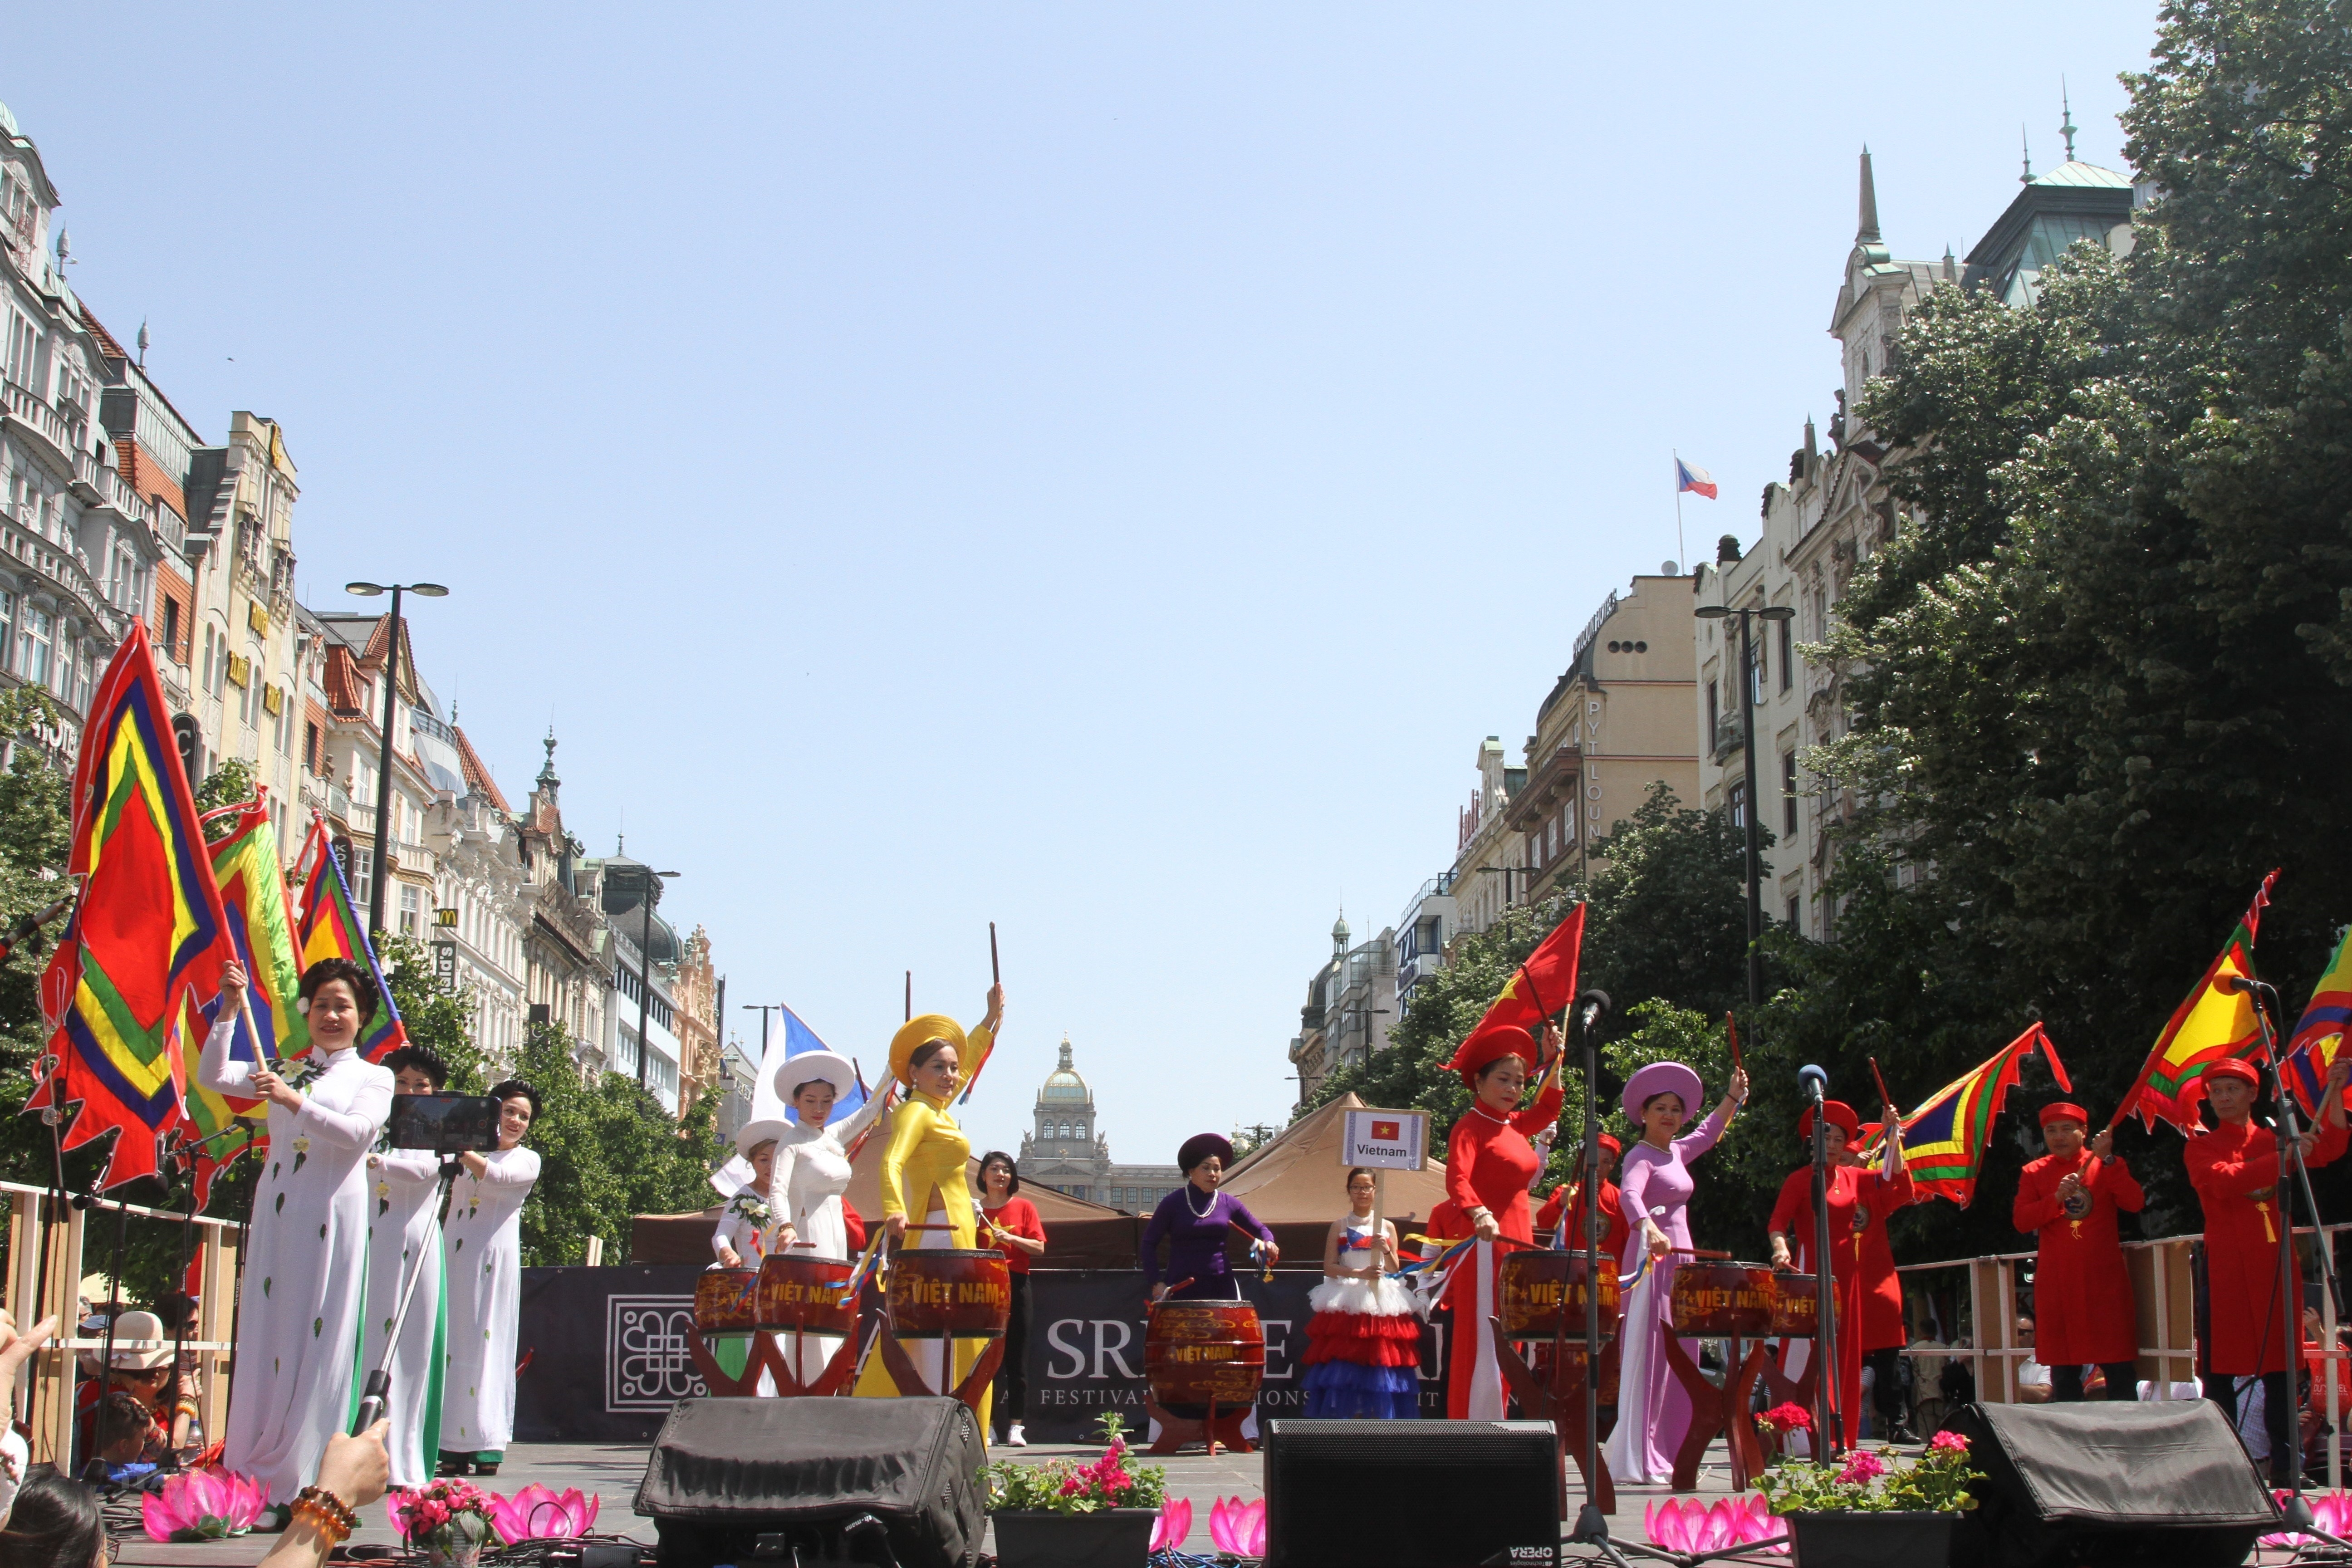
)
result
[(2026, 178), (2066, 124), (1866, 229), (547, 770)]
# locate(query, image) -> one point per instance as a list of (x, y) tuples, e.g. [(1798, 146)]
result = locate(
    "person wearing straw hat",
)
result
[(142, 1370), (2235, 1170), (1857, 1200), (811, 1171), (1654, 1191), (1488, 1163), (924, 1166), (2082, 1308)]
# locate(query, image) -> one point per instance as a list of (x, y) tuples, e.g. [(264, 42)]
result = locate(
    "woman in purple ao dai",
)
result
[(1652, 1411)]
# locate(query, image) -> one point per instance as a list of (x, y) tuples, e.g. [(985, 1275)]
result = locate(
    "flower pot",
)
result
[(1866, 1540), (1037, 1538), (464, 1554)]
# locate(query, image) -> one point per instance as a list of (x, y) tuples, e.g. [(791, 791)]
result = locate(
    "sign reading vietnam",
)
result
[(1385, 1140)]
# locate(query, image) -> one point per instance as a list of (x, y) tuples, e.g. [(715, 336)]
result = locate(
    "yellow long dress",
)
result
[(924, 1175)]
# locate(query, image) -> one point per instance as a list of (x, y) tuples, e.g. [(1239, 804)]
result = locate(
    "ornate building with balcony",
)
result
[(1069, 1154), (642, 953), (699, 994), (1351, 1007)]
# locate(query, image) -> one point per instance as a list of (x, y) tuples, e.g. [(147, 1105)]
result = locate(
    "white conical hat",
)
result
[(808, 1066)]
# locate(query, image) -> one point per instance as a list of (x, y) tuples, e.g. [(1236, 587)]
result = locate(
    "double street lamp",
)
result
[(1751, 692), (384, 762)]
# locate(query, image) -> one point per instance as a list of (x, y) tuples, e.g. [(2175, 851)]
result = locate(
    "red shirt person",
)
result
[(2082, 1312), (1614, 1229), (1488, 1163), (2235, 1170), (1857, 1200)]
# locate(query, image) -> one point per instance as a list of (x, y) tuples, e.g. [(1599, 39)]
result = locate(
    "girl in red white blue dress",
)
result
[(1363, 1345)]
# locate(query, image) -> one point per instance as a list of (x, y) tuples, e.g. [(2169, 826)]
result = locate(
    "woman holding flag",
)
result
[(298, 1329), (1654, 1193), (1488, 1163)]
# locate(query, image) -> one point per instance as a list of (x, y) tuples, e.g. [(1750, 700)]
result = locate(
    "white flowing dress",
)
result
[(811, 1172), (305, 1266), (404, 1193), (485, 1254)]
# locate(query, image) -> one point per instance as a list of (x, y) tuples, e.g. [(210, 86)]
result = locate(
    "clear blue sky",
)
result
[(1100, 469)]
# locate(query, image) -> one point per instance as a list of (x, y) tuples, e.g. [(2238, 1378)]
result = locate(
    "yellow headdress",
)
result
[(917, 1033)]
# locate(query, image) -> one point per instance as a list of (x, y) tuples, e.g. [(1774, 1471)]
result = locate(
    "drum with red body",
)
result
[(1721, 1301), (1535, 1283), (800, 1290), (1199, 1352), (725, 1302), (1793, 1306), (957, 1293)]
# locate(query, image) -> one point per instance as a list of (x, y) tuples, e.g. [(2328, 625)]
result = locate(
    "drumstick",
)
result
[(910, 996), (1732, 1025), (995, 974), (1883, 1098)]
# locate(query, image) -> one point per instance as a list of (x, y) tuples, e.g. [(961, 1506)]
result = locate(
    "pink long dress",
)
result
[(1653, 1411)]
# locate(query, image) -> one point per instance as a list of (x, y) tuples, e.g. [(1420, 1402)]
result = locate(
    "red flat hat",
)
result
[(2051, 1113), (1840, 1113), (2231, 1066), (1488, 1043), (1613, 1146)]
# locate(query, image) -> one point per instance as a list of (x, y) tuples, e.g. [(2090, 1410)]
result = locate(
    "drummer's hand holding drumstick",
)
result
[(1483, 1225), (1780, 1258), (896, 1225), (729, 1258), (1660, 1243)]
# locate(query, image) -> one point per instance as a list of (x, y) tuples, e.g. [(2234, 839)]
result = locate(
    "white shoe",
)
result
[(1016, 1438)]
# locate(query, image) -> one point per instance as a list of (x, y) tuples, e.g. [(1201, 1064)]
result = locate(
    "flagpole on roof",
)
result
[(1679, 554)]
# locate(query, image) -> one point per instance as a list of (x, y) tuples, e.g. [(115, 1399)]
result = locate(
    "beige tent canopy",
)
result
[(1295, 1183)]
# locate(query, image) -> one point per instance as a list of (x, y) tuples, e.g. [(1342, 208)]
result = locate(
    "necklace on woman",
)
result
[(1198, 1214)]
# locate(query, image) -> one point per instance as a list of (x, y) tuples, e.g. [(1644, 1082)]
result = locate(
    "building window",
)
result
[(1714, 716), (1735, 802), (1788, 791), (8, 624), (1796, 922), (172, 627), (1788, 654), (409, 913), (309, 747), (33, 647)]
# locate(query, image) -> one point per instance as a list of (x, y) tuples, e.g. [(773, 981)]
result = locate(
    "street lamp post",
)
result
[(1750, 693), (383, 761)]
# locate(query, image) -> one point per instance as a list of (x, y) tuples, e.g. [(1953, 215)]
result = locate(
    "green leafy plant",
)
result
[(1065, 1485), (1877, 1481)]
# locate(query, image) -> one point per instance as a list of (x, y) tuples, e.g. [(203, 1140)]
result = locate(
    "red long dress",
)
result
[(1857, 1199), (2082, 1309), (1488, 1165), (1883, 1326), (1613, 1229), (2234, 1169)]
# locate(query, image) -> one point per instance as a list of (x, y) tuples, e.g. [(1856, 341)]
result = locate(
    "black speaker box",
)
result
[(1408, 1494), (835, 1480), (2096, 1482)]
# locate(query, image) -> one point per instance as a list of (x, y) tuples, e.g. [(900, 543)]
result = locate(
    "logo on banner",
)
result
[(647, 1363)]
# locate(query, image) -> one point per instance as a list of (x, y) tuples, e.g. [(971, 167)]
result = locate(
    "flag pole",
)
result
[(1679, 549)]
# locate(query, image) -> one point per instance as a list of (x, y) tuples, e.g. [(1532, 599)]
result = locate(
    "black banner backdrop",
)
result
[(604, 1350)]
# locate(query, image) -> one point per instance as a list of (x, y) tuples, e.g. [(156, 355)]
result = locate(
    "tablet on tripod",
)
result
[(446, 1124)]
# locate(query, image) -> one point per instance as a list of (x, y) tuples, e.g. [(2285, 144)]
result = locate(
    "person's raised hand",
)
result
[(16, 1348), (1739, 1085), (357, 1470), (233, 981), (276, 1089), (2103, 1147)]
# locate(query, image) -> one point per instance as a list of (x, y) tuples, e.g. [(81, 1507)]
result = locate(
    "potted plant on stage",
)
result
[(1875, 1507), (1064, 1514), (449, 1519)]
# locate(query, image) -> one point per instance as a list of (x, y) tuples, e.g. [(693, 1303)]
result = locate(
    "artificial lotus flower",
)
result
[(1238, 1527), (203, 1505), (2332, 1511), (1688, 1525), (538, 1514), (1173, 1526)]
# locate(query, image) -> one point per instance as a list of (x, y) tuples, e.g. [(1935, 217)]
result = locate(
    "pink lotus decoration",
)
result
[(1174, 1524), (2332, 1511), (537, 1513), (1238, 1527), (1689, 1525), (203, 1505)]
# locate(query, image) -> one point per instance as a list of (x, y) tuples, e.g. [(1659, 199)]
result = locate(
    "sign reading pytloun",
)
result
[(1385, 1140)]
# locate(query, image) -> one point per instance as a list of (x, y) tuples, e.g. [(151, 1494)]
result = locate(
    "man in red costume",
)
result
[(1612, 1217), (1883, 1331), (1857, 1199), (1488, 1165), (2235, 1170), (2082, 1312)]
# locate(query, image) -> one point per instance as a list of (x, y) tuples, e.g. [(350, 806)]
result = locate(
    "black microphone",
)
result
[(1590, 1008), (1812, 1083)]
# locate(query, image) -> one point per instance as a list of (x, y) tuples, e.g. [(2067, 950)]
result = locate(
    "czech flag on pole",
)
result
[(1696, 480)]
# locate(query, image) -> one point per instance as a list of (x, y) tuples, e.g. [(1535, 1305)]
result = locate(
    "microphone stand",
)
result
[(2295, 1511), (377, 1394), (1591, 1524), (1829, 1421)]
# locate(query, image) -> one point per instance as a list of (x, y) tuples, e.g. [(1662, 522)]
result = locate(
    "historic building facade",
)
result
[(1069, 1154), (565, 983)]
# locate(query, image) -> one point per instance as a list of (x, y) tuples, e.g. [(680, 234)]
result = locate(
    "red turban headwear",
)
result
[(2231, 1066), (1487, 1045), (2051, 1113)]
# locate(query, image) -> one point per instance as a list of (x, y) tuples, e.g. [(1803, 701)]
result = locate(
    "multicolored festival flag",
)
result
[(2214, 1022), (1944, 1140), (328, 927), (2318, 1037), (253, 893), (149, 934)]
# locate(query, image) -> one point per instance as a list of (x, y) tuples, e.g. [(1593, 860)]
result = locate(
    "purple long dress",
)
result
[(1653, 1411)]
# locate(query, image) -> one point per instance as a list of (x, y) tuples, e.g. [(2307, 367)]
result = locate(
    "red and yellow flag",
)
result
[(1944, 1141), (328, 928), (2213, 1023), (2318, 1037), (149, 934), (1545, 982)]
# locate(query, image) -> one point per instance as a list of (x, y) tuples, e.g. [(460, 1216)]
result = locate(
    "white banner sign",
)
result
[(1385, 1140)]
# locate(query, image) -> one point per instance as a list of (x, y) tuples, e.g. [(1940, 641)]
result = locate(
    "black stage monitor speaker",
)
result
[(834, 1480), (2096, 1482), (1408, 1494)]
